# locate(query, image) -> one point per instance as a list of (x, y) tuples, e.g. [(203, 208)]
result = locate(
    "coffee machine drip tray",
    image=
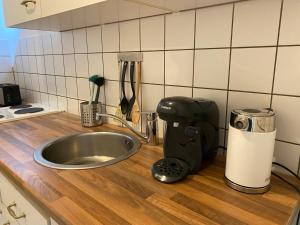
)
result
[(170, 170)]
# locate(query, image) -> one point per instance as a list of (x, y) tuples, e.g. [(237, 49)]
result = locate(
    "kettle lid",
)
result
[(253, 120), (255, 112)]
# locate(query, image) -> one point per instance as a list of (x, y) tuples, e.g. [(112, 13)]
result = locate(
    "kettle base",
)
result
[(247, 190)]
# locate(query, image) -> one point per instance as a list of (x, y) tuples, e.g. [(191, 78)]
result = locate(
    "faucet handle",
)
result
[(150, 115)]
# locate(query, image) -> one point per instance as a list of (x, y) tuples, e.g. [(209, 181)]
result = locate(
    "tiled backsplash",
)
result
[(240, 55), (6, 73), (6, 70)]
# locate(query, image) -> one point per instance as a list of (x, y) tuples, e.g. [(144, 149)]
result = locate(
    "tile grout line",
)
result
[(141, 86), (229, 71), (62, 50), (164, 49), (276, 54), (194, 52), (171, 85), (172, 50), (54, 71), (102, 61), (75, 72), (45, 68), (88, 64)]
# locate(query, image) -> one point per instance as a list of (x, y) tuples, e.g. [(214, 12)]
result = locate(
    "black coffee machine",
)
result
[(191, 137)]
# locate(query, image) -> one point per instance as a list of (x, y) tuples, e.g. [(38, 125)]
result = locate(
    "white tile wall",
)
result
[(110, 37), (288, 122), (83, 89), (82, 66), (256, 23), (226, 53), (72, 105), (69, 62), (71, 86), (61, 86), (289, 32), (252, 69), (51, 82), (80, 45), (94, 39), (67, 42), (178, 91), (130, 36), (111, 66), (213, 27), (95, 63), (180, 30), (49, 64), (56, 43), (287, 154), (152, 33), (179, 67), (47, 43), (153, 67), (40, 62), (287, 75), (151, 96), (211, 68), (58, 62)]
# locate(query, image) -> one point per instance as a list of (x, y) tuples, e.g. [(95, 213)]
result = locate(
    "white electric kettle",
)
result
[(251, 140)]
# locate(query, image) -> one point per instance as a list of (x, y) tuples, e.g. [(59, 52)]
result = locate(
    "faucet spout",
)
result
[(151, 135)]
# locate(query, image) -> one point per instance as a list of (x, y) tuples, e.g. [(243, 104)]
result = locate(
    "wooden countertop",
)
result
[(126, 193)]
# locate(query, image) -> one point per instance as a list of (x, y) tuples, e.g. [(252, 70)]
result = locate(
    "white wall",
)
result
[(240, 55)]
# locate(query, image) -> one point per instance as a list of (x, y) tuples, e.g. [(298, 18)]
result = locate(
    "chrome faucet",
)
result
[(151, 136)]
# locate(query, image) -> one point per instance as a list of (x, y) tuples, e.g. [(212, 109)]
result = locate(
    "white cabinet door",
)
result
[(2, 216), (19, 11), (16, 202), (5, 218), (52, 7)]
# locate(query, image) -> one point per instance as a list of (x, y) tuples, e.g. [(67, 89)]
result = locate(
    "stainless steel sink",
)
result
[(87, 150)]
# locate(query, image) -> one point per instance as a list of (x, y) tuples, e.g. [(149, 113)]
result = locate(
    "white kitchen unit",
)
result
[(16, 209), (52, 7), (17, 12), (57, 15)]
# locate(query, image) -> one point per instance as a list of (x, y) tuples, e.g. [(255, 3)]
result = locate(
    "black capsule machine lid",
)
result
[(170, 170)]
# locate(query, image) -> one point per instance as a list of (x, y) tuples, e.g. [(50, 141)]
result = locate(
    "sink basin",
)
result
[(87, 150)]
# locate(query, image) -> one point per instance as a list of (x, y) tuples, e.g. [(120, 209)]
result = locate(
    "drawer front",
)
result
[(5, 217), (2, 215), (18, 205), (16, 11)]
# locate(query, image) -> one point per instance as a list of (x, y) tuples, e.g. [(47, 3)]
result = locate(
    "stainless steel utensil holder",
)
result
[(88, 114)]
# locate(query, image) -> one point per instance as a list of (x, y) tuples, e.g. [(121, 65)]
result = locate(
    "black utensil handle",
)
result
[(123, 77), (97, 95), (132, 99), (132, 67)]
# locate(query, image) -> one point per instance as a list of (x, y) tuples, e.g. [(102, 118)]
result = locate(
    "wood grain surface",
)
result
[(125, 193)]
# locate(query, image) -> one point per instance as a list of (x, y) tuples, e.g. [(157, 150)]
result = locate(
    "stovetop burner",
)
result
[(1, 116), (29, 110), (23, 106)]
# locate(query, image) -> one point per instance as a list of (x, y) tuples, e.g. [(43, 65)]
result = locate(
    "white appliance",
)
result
[(251, 140), (8, 114)]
